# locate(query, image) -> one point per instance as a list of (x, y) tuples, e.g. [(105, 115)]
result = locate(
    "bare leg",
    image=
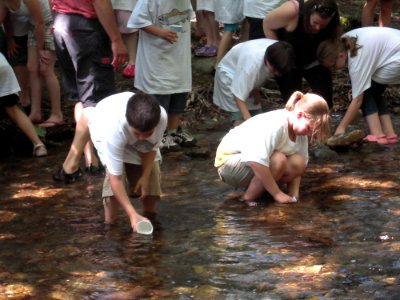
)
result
[(367, 15), (24, 123), (211, 29), (278, 166), (88, 150), (35, 84), (150, 203), (374, 124), (224, 45), (385, 16), (174, 121), (71, 163), (111, 209), (53, 87), (130, 40), (387, 125), (23, 79)]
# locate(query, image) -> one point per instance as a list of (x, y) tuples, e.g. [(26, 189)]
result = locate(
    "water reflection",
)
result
[(340, 241)]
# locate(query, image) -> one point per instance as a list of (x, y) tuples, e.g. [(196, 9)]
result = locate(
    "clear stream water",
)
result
[(341, 241)]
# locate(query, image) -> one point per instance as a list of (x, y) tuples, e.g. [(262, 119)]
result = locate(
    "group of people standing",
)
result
[(292, 41)]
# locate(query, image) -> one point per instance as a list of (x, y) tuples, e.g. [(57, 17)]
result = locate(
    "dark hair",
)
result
[(328, 50), (143, 112), (281, 57), (326, 9)]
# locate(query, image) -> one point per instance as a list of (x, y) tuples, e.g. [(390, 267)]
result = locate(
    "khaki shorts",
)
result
[(48, 38), (131, 176), (236, 172)]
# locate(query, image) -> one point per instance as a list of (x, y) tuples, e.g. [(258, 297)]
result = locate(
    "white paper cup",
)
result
[(176, 28), (144, 227)]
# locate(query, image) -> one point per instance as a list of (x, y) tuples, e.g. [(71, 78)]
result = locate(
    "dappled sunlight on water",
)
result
[(341, 240)]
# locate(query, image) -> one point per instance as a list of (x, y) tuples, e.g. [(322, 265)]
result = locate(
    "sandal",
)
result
[(392, 138), (62, 176), (380, 139), (39, 150)]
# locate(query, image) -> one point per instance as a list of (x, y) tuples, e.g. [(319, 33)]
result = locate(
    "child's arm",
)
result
[(243, 108), (281, 17), (147, 167), (37, 15), (350, 114), (165, 34), (106, 17), (118, 188), (263, 173)]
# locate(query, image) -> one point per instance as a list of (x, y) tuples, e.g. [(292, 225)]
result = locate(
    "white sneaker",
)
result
[(184, 138), (168, 144)]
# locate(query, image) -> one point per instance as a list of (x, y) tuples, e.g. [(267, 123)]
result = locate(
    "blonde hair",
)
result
[(328, 50), (314, 107)]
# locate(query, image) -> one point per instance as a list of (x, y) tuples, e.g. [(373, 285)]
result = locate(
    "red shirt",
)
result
[(80, 7)]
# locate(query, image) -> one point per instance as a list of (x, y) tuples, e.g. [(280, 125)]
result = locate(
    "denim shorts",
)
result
[(231, 27), (237, 115), (173, 103)]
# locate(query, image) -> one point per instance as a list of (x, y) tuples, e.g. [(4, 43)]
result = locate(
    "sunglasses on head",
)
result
[(324, 10)]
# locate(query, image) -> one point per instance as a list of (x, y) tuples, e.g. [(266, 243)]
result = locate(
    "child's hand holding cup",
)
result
[(176, 28)]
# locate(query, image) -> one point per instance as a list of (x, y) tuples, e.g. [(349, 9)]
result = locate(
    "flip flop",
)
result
[(50, 123), (392, 138), (380, 139)]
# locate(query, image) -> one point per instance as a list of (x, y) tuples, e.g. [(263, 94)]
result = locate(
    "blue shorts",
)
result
[(231, 27), (173, 103), (237, 115), (84, 55)]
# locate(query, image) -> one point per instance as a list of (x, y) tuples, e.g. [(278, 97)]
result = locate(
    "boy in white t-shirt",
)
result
[(244, 70), (163, 63), (126, 130)]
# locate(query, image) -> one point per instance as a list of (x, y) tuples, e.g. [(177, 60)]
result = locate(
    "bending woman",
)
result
[(305, 26)]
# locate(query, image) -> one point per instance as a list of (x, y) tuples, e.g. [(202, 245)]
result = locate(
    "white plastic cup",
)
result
[(144, 227), (176, 28)]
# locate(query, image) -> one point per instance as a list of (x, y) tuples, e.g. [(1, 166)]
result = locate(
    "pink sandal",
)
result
[(380, 139), (392, 138)]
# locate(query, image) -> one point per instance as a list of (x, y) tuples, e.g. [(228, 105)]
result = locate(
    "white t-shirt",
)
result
[(258, 137), (8, 82), (205, 5), (378, 59), (163, 68), (259, 8), (111, 135), (228, 11), (240, 71), (123, 4)]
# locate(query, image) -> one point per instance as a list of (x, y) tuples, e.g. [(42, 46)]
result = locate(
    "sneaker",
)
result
[(62, 176), (94, 171), (210, 51), (39, 150), (129, 71), (184, 138), (168, 144)]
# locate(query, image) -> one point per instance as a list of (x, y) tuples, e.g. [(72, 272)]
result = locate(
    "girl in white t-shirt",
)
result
[(372, 55), (262, 160)]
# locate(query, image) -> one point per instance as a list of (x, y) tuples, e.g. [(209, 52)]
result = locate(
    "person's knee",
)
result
[(278, 163), (296, 165)]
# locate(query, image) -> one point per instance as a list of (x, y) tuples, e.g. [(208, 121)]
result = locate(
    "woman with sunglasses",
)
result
[(305, 25)]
